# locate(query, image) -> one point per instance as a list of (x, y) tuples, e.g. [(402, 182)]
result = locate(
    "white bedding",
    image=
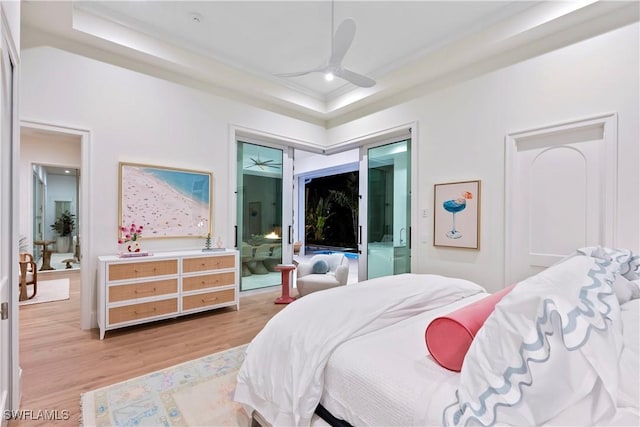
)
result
[(386, 377), (283, 372), (549, 353), (359, 350), (393, 384)]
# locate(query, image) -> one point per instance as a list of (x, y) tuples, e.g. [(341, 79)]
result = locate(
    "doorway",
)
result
[(55, 145), (383, 202), (264, 212), (385, 211), (56, 215), (50, 171)]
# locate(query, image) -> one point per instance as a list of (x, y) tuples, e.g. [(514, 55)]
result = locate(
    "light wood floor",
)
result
[(60, 361)]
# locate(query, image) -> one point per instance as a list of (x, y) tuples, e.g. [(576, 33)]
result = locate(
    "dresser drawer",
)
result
[(208, 281), (142, 290), (144, 310), (123, 271), (191, 265), (209, 298)]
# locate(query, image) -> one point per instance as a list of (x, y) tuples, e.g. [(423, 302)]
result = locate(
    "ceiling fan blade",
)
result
[(355, 78), (342, 41), (301, 73)]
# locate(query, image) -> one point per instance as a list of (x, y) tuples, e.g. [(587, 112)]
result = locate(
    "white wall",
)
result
[(462, 128), (136, 118)]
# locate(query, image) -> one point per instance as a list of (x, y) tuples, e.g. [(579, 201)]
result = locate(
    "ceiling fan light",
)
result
[(328, 76)]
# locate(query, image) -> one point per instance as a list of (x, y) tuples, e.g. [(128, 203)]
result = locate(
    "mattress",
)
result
[(388, 378)]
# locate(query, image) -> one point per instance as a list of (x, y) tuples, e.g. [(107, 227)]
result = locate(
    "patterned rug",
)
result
[(195, 393)]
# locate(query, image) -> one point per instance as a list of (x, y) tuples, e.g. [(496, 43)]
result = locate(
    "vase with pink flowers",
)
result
[(130, 238)]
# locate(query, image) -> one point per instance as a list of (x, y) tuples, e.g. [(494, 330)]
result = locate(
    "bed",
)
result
[(560, 348)]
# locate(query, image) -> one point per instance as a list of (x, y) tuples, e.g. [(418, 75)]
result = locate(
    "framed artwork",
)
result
[(167, 202), (456, 208)]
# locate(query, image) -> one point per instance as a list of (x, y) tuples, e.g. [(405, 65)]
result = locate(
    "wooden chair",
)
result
[(28, 275)]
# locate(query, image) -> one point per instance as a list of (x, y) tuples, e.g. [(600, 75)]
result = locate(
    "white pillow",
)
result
[(635, 288), (551, 345), (624, 289)]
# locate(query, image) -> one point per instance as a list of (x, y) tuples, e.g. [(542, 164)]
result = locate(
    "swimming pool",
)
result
[(347, 254)]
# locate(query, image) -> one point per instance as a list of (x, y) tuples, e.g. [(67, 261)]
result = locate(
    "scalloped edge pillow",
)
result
[(449, 337)]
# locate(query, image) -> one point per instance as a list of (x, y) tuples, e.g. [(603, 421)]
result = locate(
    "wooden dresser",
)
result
[(163, 285)]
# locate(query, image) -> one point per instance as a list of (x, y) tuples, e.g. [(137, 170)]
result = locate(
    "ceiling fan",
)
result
[(264, 163), (340, 43)]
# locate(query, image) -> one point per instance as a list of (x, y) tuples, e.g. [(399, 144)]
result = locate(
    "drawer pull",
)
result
[(150, 291), (145, 312), (209, 300)]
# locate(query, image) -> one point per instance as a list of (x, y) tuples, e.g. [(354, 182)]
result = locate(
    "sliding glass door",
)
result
[(264, 213), (385, 212)]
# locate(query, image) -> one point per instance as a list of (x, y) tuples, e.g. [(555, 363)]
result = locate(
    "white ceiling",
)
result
[(236, 47), (267, 38)]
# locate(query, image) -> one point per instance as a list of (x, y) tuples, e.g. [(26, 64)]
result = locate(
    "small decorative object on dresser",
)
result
[(130, 240), (209, 248), (164, 285)]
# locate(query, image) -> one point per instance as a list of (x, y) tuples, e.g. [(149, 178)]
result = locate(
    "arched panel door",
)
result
[(560, 193)]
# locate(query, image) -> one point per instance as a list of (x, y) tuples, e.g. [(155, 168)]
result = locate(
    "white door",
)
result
[(384, 235), (9, 241), (560, 186), (264, 211)]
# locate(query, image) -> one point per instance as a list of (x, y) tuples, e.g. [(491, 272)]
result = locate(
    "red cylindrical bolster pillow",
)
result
[(449, 337)]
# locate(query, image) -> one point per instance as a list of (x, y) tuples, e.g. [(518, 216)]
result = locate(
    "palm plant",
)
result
[(349, 199), (316, 219), (65, 224)]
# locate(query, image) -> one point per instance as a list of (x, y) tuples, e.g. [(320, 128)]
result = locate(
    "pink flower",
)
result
[(131, 233)]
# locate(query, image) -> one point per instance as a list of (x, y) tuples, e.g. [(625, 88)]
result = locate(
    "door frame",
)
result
[(88, 315), (11, 360), (253, 136), (390, 134), (396, 135)]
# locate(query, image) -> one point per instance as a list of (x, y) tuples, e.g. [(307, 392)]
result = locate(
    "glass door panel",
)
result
[(388, 209), (260, 214)]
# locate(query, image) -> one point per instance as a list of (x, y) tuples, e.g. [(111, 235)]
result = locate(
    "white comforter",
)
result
[(283, 373)]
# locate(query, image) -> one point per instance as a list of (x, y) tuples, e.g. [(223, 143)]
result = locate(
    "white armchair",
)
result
[(337, 274)]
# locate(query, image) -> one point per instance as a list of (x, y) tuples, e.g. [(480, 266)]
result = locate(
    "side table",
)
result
[(46, 254), (286, 270)]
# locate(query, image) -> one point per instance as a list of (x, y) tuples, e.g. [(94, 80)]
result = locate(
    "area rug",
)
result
[(195, 393), (49, 290)]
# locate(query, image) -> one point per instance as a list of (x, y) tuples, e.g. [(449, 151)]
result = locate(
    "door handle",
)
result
[(235, 232), (290, 235)]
